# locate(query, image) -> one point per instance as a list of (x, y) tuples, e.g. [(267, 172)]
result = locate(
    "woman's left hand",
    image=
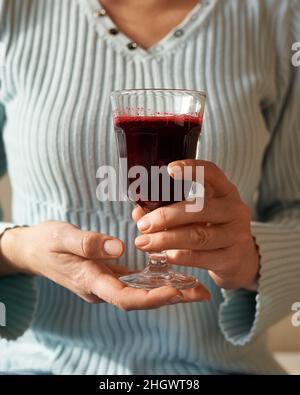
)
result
[(217, 238)]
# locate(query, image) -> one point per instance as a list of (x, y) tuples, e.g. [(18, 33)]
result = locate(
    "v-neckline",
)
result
[(179, 34)]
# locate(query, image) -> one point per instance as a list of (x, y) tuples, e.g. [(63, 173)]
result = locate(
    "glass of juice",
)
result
[(154, 127)]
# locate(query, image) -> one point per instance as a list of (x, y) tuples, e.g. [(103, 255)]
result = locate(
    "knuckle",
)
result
[(56, 231), (198, 236), (88, 244), (163, 216)]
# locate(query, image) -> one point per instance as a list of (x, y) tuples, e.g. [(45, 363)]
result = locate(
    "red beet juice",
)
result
[(156, 141)]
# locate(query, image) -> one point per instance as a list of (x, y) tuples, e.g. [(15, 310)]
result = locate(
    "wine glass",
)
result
[(154, 127)]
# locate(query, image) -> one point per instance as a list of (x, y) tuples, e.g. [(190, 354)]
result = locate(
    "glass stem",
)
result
[(157, 262)]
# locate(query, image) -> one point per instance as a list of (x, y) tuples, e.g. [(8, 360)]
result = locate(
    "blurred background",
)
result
[(283, 338)]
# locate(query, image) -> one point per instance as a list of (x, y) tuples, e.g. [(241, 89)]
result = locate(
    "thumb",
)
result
[(87, 244)]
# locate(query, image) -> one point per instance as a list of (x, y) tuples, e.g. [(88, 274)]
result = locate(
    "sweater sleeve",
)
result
[(244, 314), (17, 293)]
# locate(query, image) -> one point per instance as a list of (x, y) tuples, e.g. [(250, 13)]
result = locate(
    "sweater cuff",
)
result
[(244, 314), (17, 305)]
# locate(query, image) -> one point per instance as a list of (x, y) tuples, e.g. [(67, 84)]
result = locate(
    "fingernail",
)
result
[(176, 299), (113, 247), (142, 241), (143, 224)]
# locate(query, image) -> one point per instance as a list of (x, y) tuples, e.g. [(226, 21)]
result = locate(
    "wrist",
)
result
[(11, 251), (253, 284)]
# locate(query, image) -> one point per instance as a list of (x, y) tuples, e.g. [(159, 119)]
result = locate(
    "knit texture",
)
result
[(61, 66)]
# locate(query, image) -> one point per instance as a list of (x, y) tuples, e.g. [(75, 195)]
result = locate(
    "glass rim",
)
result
[(177, 90)]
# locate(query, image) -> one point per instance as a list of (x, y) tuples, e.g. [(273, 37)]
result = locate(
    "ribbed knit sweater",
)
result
[(55, 119)]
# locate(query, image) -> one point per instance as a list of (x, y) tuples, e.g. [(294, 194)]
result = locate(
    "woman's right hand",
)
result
[(83, 262)]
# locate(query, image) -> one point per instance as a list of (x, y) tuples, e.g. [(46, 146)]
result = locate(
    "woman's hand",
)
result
[(217, 238), (82, 262)]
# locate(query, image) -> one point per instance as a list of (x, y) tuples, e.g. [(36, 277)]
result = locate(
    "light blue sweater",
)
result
[(55, 118)]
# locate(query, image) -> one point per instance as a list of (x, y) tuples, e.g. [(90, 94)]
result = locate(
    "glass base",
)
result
[(149, 280)]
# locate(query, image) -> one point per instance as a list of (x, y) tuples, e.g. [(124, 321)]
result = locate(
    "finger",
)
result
[(215, 182), (115, 292), (137, 213), (196, 294), (216, 211), (91, 245), (106, 287), (217, 260), (117, 269), (149, 299), (194, 237)]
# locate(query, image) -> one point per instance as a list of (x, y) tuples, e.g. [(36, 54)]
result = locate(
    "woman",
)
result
[(63, 59)]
